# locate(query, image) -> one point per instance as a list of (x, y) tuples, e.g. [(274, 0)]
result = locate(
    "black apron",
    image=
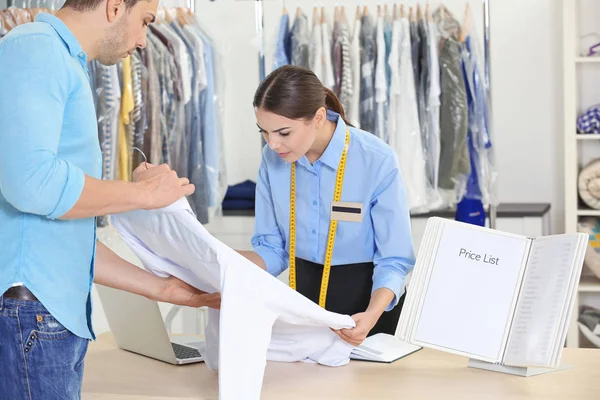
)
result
[(349, 291)]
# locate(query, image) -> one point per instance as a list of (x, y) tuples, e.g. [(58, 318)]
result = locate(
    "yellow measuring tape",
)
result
[(337, 195)]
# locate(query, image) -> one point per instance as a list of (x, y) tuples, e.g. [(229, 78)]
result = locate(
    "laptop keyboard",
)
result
[(185, 352)]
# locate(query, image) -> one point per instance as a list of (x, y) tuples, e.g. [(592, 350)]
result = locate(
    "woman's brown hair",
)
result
[(296, 93)]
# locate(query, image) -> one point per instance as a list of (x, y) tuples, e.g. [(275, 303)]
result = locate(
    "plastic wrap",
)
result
[(300, 40), (455, 166), (432, 91), (404, 126), (162, 125), (218, 175), (282, 53), (481, 184)]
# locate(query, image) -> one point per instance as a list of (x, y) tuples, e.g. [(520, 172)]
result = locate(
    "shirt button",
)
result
[(314, 259), (314, 202), (314, 231)]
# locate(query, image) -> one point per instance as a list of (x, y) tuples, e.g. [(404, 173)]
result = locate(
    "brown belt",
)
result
[(19, 293)]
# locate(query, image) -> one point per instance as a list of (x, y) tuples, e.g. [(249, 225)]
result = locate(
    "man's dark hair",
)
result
[(88, 5)]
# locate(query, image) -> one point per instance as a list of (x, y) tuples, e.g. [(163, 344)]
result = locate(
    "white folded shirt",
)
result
[(260, 319)]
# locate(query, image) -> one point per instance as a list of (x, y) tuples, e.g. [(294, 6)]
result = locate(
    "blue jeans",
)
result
[(39, 358)]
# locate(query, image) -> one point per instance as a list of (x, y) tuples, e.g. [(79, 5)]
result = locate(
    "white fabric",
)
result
[(405, 130), (260, 318), (433, 108), (354, 111), (328, 76), (380, 83), (316, 53)]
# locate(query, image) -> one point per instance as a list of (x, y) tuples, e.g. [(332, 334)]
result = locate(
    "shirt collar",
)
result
[(64, 32), (332, 154)]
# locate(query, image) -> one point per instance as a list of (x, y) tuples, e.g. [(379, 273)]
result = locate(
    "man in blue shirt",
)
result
[(50, 194)]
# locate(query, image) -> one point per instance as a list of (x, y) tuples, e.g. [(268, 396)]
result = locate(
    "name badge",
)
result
[(343, 211)]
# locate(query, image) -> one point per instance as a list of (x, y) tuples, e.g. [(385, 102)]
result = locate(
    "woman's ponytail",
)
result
[(333, 103)]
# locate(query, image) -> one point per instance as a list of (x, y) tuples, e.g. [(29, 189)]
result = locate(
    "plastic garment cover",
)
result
[(282, 52), (354, 110), (316, 49), (481, 182), (328, 76), (300, 41), (431, 129), (455, 164), (404, 127), (381, 87), (279, 323), (368, 54), (187, 135)]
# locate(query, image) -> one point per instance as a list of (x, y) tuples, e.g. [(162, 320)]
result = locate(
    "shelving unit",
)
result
[(578, 148)]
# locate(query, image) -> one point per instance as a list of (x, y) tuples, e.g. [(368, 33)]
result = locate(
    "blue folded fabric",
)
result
[(238, 204), (240, 196), (242, 191)]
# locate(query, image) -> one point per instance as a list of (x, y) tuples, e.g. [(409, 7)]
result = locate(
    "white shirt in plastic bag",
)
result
[(354, 111), (260, 319), (404, 127)]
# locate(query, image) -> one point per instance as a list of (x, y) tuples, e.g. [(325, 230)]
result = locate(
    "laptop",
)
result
[(137, 326)]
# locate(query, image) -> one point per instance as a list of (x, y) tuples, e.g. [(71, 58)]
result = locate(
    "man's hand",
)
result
[(175, 291), (162, 185), (364, 323)]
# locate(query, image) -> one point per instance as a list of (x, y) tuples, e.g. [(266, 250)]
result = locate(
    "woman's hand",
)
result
[(176, 291), (365, 321)]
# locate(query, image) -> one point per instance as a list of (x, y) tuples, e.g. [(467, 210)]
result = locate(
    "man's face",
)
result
[(127, 31)]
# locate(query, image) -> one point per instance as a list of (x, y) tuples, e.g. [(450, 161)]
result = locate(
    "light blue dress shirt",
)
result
[(49, 141), (372, 178)]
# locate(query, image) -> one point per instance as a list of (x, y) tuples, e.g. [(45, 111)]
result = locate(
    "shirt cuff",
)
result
[(71, 192), (276, 264), (394, 282)]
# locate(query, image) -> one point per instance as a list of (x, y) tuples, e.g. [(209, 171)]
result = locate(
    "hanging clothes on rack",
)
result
[(454, 157), (354, 109), (368, 56), (168, 108), (477, 191), (381, 85), (342, 44), (410, 83), (283, 51), (300, 40)]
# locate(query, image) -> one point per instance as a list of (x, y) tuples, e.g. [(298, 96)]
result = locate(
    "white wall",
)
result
[(526, 56)]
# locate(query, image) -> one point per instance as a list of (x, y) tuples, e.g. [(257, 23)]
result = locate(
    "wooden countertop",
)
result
[(112, 374)]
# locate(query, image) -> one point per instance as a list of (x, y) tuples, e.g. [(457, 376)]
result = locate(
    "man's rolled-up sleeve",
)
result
[(34, 89)]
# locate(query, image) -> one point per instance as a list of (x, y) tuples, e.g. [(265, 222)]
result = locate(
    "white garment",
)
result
[(380, 84), (328, 76), (354, 111), (260, 317), (316, 53), (405, 131), (433, 107)]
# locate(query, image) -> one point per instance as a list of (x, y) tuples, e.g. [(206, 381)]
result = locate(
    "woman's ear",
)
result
[(320, 117)]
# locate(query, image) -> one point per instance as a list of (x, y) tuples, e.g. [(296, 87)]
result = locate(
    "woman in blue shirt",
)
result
[(311, 149)]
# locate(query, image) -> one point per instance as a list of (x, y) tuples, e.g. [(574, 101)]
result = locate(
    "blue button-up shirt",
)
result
[(48, 143), (372, 178)]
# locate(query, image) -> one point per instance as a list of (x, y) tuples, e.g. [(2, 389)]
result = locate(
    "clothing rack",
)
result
[(259, 20)]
